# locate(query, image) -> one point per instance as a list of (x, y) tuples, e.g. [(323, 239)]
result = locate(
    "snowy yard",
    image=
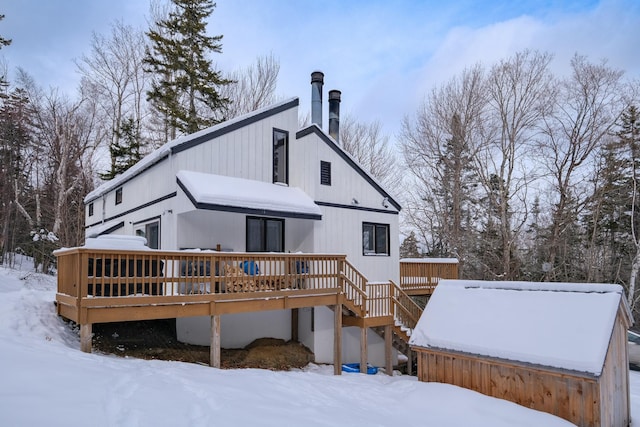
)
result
[(47, 381)]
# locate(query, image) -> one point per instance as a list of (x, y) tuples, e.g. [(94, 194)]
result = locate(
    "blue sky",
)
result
[(383, 55)]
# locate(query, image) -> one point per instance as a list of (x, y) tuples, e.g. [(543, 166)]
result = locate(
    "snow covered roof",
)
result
[(104, 228), (120, 242), (218, 192), (431, 260), (187, 141), (561, 325)]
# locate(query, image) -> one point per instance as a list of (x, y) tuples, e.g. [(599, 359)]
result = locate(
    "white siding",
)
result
[(236, 330)]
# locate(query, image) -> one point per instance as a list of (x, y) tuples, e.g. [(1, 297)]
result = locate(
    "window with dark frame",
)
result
[(265, 234), (325, 172), (280, 156), (119, 196), (151, 232), (375, 239), (90, 209)]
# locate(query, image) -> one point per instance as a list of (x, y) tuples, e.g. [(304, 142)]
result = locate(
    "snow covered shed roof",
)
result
[(225, 193), (187, 141), (560, 325)]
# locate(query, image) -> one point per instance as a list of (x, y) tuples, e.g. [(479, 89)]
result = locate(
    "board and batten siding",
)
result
[(574, 398), (614, 404), (347, 183), (243, 153), (340, 231)]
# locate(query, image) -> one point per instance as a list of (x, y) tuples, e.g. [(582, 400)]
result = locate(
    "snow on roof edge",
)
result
[(534, 286)]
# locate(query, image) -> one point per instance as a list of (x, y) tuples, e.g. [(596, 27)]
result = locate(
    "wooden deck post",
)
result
[(363, 350), (409, 362), (85, 337), (337, 340), (388, 345), (214, 350), (294, 324)]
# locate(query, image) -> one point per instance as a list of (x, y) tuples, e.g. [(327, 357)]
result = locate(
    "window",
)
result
[(375, 239), (280, 156), (151, 232), (325, 173), (90, 209), (119, 196), (265, 234)]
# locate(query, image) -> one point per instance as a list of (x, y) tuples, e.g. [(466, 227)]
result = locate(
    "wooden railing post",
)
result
[(337, 339)]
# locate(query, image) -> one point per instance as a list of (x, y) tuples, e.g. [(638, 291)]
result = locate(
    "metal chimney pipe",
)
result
[(334, 114), (317, 80)]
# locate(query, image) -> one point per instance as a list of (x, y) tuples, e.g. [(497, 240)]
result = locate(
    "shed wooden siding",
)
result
[(574, 398), (614, 380)]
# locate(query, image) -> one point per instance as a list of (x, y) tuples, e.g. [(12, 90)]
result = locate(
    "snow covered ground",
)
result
[(46, 381)]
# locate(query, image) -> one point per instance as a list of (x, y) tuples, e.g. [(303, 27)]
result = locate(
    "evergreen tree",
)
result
[(126, 150), (185, 90), (409, 247)]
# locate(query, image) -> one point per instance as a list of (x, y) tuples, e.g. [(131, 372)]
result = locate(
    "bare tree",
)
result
[(439, 147), (584, 112), (113, 77), (518, 92), (253, 87), (65, 131), (370, 148)]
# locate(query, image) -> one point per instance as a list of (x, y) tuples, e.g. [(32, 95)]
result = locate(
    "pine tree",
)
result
[(409, 247), (185, 90), (126, 150)]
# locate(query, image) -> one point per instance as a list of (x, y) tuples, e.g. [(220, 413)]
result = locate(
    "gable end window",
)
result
[(375, 239), (280, 156), (90, 209), (119, 196), (265, 234), (325, 173)]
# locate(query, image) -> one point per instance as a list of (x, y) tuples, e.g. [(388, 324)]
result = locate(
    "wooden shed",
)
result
[(560, 348)]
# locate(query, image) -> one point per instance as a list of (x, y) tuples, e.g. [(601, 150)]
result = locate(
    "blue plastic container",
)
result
[(355, 367)]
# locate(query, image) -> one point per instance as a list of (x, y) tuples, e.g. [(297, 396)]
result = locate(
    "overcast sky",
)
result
[(383, 55)]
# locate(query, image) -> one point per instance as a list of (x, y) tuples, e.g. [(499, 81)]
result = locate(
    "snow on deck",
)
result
[(238, 192), (561, 325)]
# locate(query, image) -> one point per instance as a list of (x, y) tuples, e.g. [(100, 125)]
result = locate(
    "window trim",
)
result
[(286, 156), (264, 219), (375, 226), (118, 195), (90, 209)]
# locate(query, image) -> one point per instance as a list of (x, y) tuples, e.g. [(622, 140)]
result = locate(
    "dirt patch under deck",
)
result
[(156, 339)]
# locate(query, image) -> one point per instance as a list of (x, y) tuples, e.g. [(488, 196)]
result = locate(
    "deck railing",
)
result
[(405, 311), (420, 276), (92, 278), (84, 272)]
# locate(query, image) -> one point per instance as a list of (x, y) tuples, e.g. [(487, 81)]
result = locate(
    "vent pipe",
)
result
[(317, 80), (334, 114)]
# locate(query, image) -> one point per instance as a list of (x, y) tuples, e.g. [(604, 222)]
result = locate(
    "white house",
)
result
[(257, 183)]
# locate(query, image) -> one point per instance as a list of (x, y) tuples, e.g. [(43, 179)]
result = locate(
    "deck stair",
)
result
[(373, 305)]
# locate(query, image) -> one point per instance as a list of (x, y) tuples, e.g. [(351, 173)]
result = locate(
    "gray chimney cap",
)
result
[(317, 76)]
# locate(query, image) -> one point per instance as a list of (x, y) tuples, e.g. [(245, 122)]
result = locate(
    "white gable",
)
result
[(561, 325)]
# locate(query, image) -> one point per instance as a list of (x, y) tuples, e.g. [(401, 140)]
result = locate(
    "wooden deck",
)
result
[(420, 276), (99, 286)]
